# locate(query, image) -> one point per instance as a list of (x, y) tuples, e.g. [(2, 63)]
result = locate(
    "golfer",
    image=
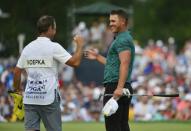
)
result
[(118, 68), (40, 59)]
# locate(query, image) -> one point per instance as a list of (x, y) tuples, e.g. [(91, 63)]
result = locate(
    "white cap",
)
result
[(188, 97), (157, 90), (141, 79), (162, 107), (138, 49), (82, 25), (96, 93), (110, 107), (71, 105), (141, 91), (171, 40), (159, 43)]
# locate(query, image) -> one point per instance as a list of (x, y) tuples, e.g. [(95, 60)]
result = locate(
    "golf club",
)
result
[(136, 95), (156, 95)]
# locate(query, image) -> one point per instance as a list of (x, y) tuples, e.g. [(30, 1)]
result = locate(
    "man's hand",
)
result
[(118, 93), (19, 92), (79, 41), (91, 54), (126, 92), (76, 58)]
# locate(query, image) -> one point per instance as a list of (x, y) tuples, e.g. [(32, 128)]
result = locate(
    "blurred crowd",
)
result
[(158, 69)]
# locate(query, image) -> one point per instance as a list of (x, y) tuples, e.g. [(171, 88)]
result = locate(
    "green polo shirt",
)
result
[(123, 41)]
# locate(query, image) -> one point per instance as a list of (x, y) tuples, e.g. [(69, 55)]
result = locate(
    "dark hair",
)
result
[(44, 23), (120, 13)]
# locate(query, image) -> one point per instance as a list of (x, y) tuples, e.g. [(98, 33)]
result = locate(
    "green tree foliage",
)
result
[(157, 19), (160, 19), (24, 14)]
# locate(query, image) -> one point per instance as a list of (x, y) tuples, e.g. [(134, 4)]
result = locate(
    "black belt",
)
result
[(109, 83)]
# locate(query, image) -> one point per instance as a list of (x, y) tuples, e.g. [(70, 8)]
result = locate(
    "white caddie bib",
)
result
[(40, 89)]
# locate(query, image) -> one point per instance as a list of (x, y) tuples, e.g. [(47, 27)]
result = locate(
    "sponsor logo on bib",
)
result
[(40, 90)]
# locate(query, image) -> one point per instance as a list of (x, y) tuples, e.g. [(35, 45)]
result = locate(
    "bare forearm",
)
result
[(76, 58), (122, 75), (101, 59), (17, 79)]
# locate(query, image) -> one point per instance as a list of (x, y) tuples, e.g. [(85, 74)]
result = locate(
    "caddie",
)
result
[(40, 59)]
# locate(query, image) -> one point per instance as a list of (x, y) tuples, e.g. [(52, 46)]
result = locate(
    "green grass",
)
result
[(135, 126)]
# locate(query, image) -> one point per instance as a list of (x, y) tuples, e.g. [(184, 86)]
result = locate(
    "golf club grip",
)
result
[(166, 95)]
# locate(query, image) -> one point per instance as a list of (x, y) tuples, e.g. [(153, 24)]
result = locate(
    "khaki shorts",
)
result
[(49, 114)]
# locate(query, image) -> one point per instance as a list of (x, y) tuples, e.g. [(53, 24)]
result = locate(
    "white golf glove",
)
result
[(110, 107), (126, 92)]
